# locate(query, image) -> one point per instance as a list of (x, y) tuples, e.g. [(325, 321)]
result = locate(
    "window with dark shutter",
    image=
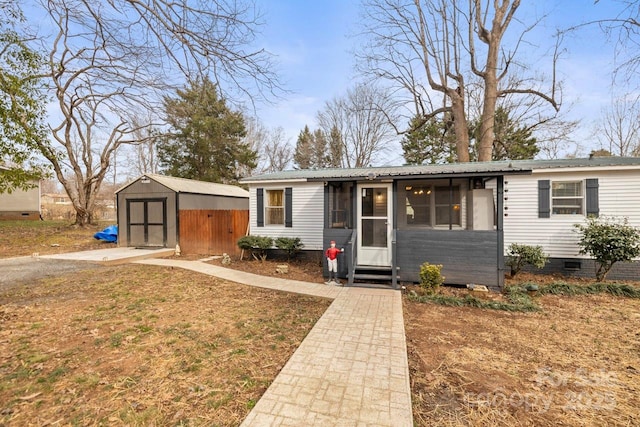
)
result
[(593, 204), (544, 198), (260, 207), (288, 207)]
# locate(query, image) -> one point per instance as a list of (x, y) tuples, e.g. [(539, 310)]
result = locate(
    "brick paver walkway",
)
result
[(350, 370)]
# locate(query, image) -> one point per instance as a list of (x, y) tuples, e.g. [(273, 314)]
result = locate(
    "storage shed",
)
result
[(202, 217)]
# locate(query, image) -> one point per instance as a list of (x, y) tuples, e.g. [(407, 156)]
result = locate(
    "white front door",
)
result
[(374, 224)]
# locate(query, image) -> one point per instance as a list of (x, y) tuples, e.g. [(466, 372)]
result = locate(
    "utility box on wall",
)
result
[(480, 210)]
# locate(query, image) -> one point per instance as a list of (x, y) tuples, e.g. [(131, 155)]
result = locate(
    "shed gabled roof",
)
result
[(183, 185), (505, 167)]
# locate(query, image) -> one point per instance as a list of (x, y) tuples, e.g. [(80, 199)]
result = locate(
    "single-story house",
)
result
[(390, 220), (21, 204), (201, 217), (542, 207)]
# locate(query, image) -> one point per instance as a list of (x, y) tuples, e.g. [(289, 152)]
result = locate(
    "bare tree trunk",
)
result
[(460, 126), (426, 48)]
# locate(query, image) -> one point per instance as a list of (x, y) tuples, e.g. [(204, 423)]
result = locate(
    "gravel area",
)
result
[(17, 271)]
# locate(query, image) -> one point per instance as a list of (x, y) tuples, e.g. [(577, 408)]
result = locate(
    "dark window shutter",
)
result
[(260, 207), (593, 205), (544, 198), (288, 207)]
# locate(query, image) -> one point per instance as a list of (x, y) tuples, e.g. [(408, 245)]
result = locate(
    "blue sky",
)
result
[(313, 42)]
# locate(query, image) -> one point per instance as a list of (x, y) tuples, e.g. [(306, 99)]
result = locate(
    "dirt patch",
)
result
[(25, 238), (575, 363), (306, 270), (143, 345)]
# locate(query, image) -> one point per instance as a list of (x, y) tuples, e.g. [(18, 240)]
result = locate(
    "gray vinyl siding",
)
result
[(211, 202), (466, 256)]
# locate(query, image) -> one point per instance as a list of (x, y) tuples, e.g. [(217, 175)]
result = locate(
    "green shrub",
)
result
[(256, 245), (608, 240), (520, 255), (431, 277), (290, 245)]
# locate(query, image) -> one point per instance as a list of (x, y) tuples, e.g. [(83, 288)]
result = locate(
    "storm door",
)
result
[(374, 224)]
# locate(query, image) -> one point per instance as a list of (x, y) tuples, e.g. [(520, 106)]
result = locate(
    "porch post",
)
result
[(394, 222), (500, 230)]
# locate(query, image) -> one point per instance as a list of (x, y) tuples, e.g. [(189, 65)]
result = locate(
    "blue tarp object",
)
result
[(109, 234)]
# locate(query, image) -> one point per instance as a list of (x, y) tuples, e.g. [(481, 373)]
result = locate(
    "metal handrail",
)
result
[(351, 263)]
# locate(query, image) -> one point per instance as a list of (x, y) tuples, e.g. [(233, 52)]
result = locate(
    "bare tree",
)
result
[(277, 153), (431, 49), (274, 150), (142, 156), (362, 121), (619, 128), (111, 61)]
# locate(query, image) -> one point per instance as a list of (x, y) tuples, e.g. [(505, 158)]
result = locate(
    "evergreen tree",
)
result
[(512, 141), (207, 143), (335, 148), (303, 156), (430, 142), (320, 150)]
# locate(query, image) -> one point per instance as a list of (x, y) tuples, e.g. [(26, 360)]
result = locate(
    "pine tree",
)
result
[(512, 141), (303, 156), (207, 143), (335, 148), (429, 142)]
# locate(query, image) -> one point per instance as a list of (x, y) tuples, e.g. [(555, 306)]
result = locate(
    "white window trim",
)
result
[(267, 206), (582, 196)]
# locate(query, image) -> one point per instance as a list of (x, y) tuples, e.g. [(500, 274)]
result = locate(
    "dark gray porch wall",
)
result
[(466, 256)]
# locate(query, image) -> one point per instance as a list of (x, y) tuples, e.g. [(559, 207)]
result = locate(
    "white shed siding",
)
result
[(617, 193), (307, 210)]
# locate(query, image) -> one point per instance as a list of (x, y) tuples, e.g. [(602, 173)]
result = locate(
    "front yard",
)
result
[(143, 345)]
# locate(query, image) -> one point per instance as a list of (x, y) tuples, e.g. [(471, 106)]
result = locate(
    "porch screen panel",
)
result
[(418, 205), (446, 209), (340, 205)]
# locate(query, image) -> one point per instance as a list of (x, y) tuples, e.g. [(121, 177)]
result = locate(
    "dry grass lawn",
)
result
[(577, 363), (142, 345), (23, 238)]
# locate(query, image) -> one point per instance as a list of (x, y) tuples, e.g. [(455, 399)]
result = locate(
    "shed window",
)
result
[(274, 207), (567, 197)]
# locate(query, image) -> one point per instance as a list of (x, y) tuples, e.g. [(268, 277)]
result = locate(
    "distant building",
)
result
[(21, 204)]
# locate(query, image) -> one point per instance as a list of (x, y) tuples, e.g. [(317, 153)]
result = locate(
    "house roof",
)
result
[(183, 185), (505, 167)]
